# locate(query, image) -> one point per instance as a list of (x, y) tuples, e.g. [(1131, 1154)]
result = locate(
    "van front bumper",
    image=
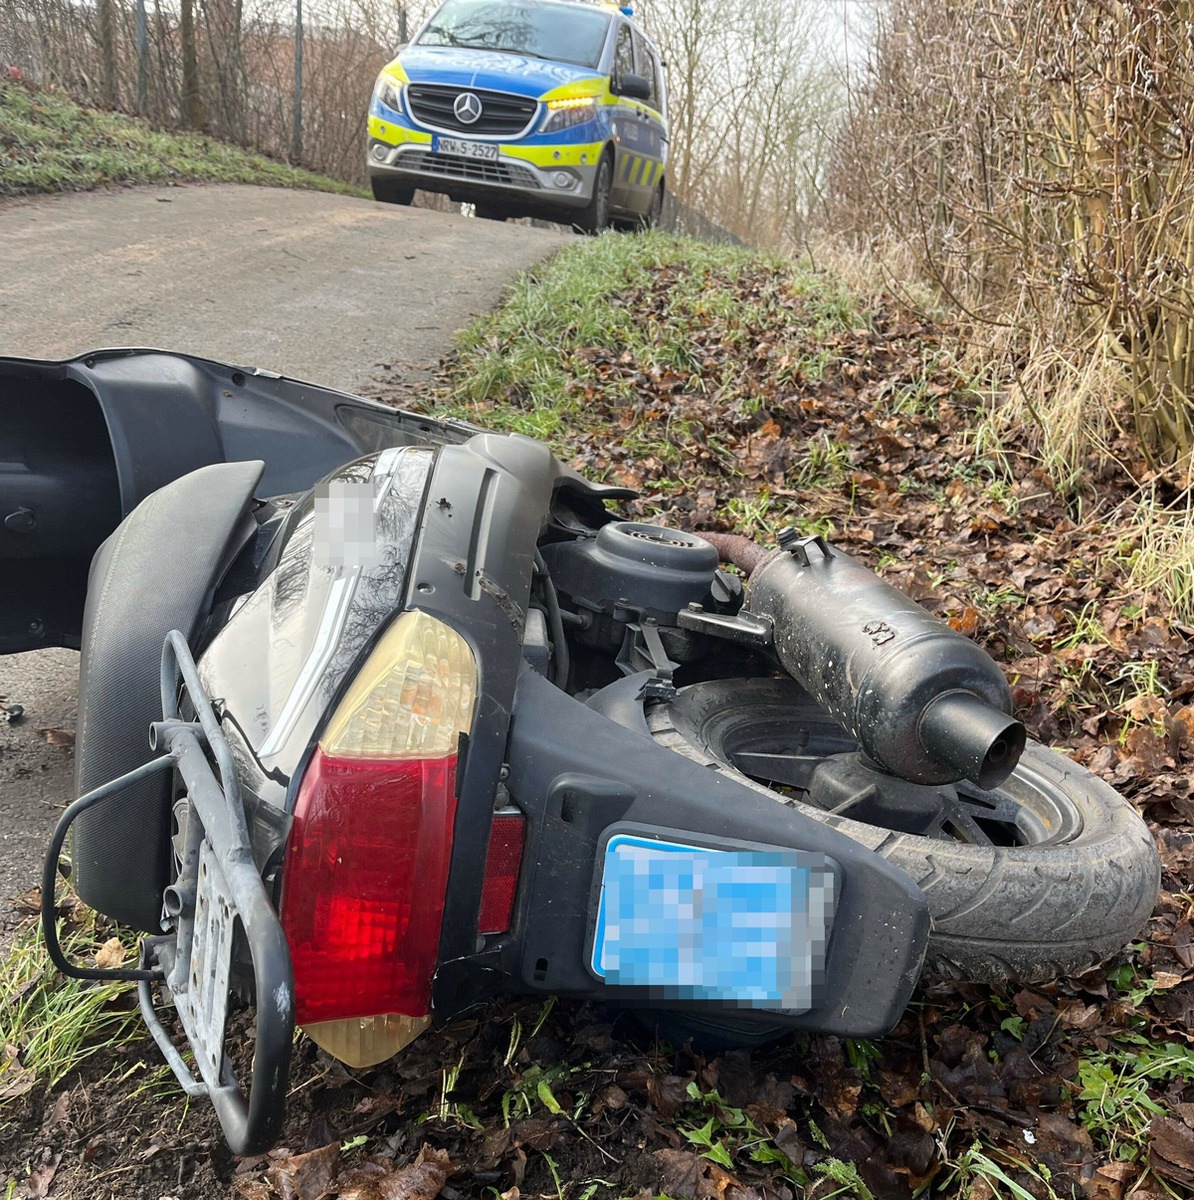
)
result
[(511, 176)]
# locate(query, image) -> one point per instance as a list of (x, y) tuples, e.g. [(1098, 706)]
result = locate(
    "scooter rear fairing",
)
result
[(577, 774)]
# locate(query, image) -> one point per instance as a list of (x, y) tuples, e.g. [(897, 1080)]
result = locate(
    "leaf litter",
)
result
[(859, 425)]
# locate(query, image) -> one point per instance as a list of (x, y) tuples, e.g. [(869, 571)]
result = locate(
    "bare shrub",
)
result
[(753, 103), (1035, 158)]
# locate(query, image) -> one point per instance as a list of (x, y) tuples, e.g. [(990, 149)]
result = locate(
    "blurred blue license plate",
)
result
[(747, 927)]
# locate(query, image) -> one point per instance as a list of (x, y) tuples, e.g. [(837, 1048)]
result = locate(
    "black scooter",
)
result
[(381, 715)]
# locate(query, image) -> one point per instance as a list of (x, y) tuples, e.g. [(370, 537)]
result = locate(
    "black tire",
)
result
[(491, 212), (390, 192), (652, 217), (595, 217), (1080, 886)]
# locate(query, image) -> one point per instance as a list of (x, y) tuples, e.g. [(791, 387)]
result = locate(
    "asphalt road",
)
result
[(310, 285)]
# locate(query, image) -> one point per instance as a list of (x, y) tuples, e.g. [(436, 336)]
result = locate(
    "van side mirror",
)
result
[(634, 87)]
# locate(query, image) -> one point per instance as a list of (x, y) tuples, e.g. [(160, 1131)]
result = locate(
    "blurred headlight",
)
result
[(564, 114), (389, 92)]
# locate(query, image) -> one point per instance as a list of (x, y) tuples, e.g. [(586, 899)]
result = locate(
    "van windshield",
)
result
[(557, 32)]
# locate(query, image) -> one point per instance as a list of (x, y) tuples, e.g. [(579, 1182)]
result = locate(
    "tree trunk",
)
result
[(107, 41), (193, 116)]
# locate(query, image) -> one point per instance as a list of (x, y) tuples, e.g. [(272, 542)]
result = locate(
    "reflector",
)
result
[(363, 886), (502, 862), (363, 1041)]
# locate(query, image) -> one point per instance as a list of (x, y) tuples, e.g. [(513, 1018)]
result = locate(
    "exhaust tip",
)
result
[(982, 743)]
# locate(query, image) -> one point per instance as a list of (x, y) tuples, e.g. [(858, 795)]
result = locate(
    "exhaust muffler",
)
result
[(924, 703)]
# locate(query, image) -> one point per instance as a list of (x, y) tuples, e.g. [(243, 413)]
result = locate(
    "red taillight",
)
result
[(366, 866), (364, 882), (502, 862)]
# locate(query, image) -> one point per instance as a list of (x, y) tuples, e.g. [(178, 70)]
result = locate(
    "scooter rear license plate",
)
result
[(203, 1007), (744, 927)]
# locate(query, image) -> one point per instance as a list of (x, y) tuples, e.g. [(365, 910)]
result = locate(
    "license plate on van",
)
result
[(446, 145)]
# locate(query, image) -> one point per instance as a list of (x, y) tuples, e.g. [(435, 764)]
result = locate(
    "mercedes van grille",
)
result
[(502, 114)]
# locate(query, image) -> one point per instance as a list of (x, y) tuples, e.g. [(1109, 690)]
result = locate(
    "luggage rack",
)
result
[(218, 899)]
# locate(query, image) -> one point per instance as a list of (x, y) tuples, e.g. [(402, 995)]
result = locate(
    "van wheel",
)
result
[(655, 212), (389, 192), (595, 217)]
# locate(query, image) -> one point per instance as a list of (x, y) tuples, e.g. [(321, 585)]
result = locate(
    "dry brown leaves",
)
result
[(1171, 1151), (320, 1174)]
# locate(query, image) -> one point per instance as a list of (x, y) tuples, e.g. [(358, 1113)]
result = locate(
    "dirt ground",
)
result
[(307, 284)]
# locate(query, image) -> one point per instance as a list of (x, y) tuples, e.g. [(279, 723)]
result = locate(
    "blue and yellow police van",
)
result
[(543, 108)]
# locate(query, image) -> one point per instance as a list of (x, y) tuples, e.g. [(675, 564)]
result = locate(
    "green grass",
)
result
[(1162, 562), (53, 1022), (561, 345), (1115, 1100), (976, 1173), (530, 347), (49, 144)]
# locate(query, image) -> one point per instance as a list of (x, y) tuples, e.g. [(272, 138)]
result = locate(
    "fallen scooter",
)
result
[(382, 715)]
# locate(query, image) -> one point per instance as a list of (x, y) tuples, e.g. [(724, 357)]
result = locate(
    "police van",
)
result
[(543, 108)]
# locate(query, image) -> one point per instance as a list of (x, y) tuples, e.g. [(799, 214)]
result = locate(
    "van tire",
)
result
[(387, 191), (595, 217), (653, 215)]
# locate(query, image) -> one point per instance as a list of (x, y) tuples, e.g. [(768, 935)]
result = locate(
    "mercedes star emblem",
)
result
[(467, 108)]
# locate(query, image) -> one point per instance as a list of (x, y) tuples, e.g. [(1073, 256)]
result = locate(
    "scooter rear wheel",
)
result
[(1046, 876)]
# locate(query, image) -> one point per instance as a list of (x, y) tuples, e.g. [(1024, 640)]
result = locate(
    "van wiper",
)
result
[(503, 50)]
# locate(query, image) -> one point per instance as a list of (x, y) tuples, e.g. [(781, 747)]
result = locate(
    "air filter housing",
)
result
[(658, 570)]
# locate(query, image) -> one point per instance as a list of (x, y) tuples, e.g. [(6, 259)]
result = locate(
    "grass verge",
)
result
[(49, 1024), (50, 144), (646, 359)]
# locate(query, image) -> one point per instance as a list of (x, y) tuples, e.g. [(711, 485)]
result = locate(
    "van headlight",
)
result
[(564, 114), (389, 92)]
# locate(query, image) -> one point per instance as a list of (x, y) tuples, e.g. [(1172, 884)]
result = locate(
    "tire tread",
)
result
[(1059, 908)]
